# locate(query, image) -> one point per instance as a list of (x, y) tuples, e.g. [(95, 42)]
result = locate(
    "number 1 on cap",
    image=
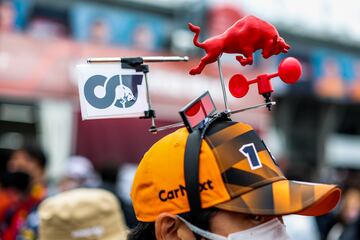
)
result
[(250, 152)]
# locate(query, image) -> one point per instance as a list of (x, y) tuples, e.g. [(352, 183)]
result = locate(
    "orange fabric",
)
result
[(159, 180), (228, 178), (286, 197), (324, 204)]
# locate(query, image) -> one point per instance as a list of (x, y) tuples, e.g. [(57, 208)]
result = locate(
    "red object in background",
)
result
[(246, 36), (289, 71), (221, 17), (112, 142), (15, 209)]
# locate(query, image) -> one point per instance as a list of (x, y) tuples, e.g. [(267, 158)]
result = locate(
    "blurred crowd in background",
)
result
[(45, 147), (24, 187)]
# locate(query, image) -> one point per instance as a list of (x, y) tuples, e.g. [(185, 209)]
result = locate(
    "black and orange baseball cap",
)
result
[(236, 173)]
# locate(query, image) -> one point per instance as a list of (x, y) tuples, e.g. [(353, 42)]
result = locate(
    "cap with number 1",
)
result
[(236, 173)]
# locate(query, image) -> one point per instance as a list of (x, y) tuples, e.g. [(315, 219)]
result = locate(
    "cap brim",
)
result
[(286, 197)]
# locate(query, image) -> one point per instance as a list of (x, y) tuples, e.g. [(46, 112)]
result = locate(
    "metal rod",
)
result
[(223, 86), (166, 59), (253, 107), (175, 125), (153, 125), (145, 59), (181, 124), (147, 91), (104, 60), (148, 98)]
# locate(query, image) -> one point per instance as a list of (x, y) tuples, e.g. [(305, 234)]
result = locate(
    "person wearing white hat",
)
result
[(82, 214)]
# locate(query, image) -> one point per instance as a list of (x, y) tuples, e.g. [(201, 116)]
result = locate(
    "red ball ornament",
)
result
[(290, 70), (238, 85)]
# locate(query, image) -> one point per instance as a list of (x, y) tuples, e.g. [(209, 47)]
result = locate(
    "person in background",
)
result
[(99, 32), (350, 214), (82, 214), (125, 176), (12, 187), (343, 224), (7, 16), (79, 173), (26, 168)]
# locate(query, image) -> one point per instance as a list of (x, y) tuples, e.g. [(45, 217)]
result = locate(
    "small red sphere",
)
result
[(290, 70), (238, 85)]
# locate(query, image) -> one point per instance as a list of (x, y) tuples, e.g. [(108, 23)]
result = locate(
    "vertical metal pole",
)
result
[(227, 110), (149, 100)]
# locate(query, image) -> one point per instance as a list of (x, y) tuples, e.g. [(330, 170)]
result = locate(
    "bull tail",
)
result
[(196, 29)]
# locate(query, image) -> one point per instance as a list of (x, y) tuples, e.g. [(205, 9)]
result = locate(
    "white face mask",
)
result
[(270, 230)]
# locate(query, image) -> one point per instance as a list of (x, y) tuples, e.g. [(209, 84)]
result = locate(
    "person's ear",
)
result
[(169, 227), (166, 227)]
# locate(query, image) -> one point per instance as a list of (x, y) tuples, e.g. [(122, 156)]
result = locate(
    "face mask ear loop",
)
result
[(201, 232)]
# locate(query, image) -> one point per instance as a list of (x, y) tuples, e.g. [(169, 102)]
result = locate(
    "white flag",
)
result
[(106, 90)]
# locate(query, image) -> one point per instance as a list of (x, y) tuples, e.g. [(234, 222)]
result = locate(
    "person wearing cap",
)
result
[(81, 214), (240, 191), (79, 173)]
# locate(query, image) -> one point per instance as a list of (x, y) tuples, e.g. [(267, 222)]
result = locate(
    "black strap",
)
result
[(191, 165), (191, 171)]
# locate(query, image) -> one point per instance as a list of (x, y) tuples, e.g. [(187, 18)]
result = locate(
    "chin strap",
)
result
[(191, 171), (191, 165)]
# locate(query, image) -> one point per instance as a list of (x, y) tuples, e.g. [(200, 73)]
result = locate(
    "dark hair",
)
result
[(36, 154), (146, 230)]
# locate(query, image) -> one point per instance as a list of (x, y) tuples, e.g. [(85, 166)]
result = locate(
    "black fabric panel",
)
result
[(265, 198), (218, 126), (240, 178), (240, 140)]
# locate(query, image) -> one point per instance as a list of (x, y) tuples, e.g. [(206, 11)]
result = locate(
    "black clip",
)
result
[(134, 63), (148, 114)]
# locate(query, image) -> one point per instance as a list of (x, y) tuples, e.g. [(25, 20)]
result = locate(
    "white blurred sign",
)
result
[(342, 150), (106, 90)]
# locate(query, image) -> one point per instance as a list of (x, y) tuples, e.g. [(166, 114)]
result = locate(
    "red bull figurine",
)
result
[(245, 36)]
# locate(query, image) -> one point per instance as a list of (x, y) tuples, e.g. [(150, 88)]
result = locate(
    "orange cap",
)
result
[(236, 173)]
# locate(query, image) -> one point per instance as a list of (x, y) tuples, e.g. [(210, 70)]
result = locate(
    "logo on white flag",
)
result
[(107, 90), (120, 90)]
